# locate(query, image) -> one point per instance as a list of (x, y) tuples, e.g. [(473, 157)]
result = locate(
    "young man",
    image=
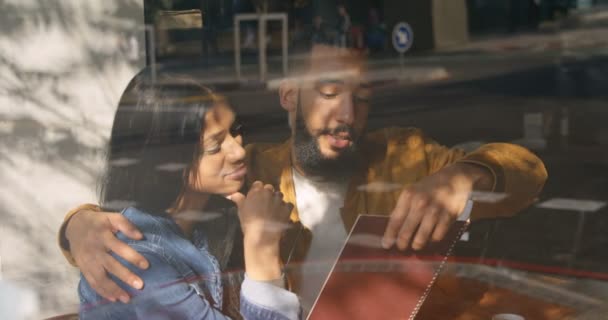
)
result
[(331, 169)]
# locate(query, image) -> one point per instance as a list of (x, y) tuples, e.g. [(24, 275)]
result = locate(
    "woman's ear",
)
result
[(288, 95)]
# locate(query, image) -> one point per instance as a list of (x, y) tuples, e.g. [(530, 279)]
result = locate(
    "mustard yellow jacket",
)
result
[(397, 157)]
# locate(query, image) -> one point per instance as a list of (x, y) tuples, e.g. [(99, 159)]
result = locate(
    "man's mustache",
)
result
[(342, 130)]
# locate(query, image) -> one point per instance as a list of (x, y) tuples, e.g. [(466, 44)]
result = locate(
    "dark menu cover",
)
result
[(369, 282)]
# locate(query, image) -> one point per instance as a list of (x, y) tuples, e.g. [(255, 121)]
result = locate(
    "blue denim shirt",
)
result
[(182, 282)]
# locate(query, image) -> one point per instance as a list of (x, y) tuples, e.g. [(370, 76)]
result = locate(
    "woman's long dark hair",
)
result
[(155, 142)]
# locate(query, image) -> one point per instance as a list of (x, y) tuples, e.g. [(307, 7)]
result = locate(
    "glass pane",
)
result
[(419, 113)]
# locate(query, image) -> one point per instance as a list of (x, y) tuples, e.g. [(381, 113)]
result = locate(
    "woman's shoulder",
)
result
[(155, 228), (146, 220), (138, 215)]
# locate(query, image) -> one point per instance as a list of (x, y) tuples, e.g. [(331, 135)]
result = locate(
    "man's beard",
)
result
[(310, 159)]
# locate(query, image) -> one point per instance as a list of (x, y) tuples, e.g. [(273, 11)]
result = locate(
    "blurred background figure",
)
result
[(246, 6), (343, 26), (357, 36), (320, 34), (302, 22), (376, 32)]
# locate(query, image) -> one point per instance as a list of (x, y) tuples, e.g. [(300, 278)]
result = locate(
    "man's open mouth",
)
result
[(339, 141)]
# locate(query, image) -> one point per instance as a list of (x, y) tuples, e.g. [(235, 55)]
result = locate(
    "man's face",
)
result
[(331, 117)]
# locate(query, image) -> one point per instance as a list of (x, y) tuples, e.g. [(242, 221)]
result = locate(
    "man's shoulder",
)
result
[(399, 135), (263, 147), (393, 144), (265, 152), (266, 161)]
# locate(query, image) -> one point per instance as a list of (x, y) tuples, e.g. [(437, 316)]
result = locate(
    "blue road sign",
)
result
[(403, 37)]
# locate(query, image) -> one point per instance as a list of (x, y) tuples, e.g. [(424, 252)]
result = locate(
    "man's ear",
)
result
[(288, 95)]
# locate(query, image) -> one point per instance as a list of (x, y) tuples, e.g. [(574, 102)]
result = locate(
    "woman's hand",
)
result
[(264, 216)]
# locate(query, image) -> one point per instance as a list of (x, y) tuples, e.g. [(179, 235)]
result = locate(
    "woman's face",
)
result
[(221, 164)]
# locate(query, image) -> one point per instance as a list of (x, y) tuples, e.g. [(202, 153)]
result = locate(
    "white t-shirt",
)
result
[(319, 204)]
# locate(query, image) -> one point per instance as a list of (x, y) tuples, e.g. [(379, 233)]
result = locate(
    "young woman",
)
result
[(175, 156)]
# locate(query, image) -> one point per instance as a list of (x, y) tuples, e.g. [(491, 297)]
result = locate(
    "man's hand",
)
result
[(92, 237), (426, 209)]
